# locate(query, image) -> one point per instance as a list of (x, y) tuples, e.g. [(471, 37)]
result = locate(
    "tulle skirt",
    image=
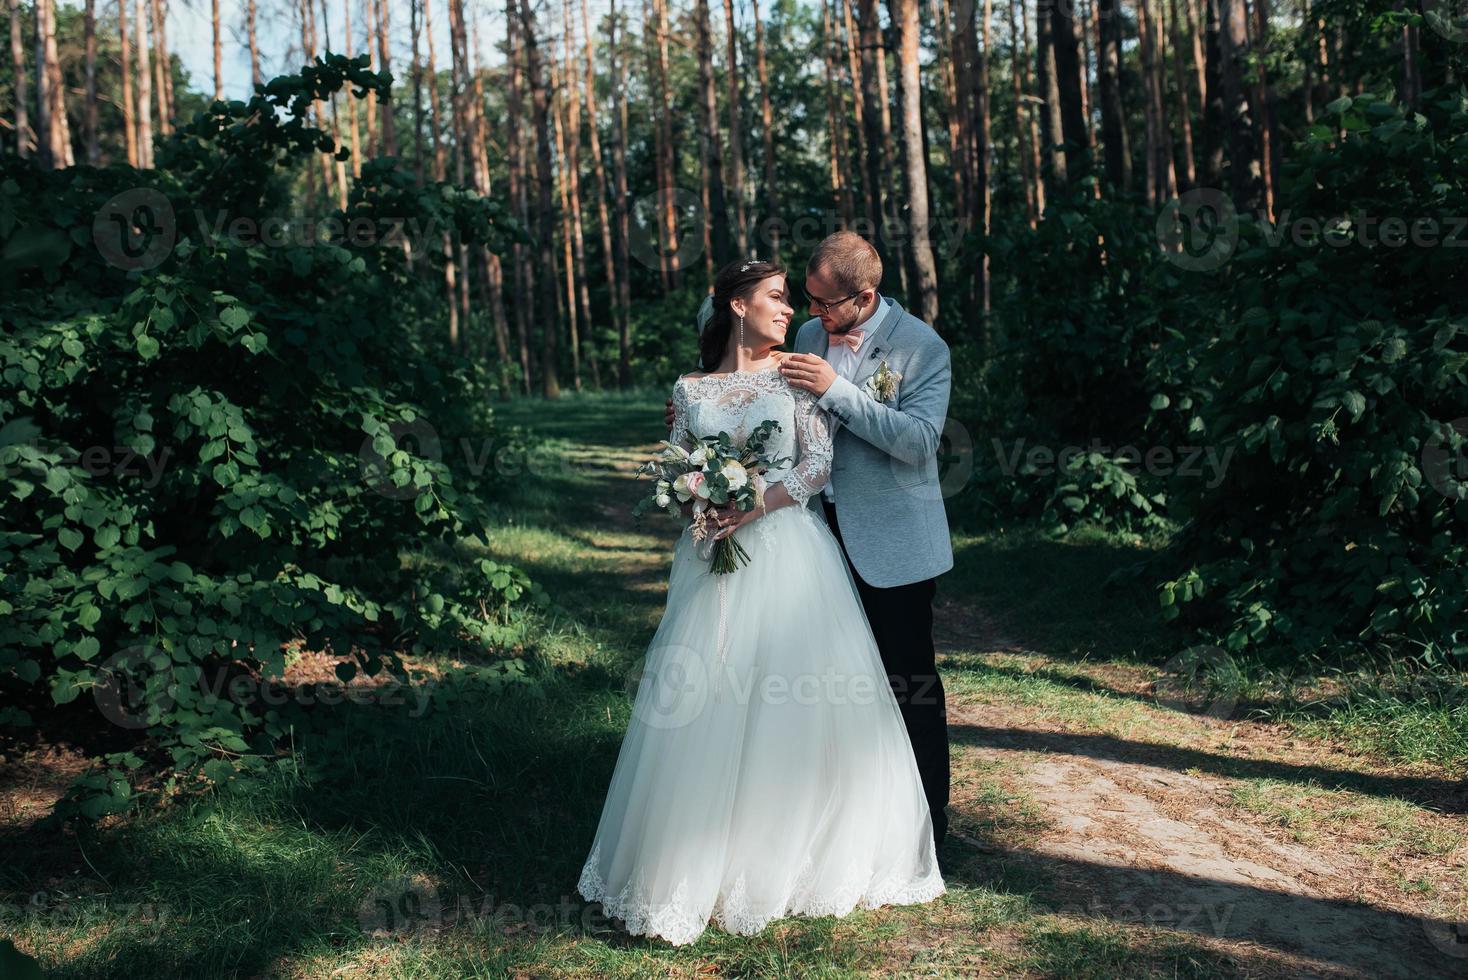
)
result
[(766, 771)]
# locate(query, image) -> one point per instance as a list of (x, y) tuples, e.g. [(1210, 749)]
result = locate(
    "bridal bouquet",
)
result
[(712, 474)]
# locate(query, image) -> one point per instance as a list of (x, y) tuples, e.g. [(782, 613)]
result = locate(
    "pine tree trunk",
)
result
[(389, 135), (619, 175), (736, 135), (906, 25), (668, 230), (1189, 178), (370, 29), (1268, 126), (218, 51), (162, 70), (129, 114), (875, 165), (256, 76), (56, 151), (1052, 126), (856, 169), (1018, 57), (519, 178), (767, 135), (25, 137), (145, 86), (721, 241), (835, 123), (1245, 170), (435, 125), (89, 118), (1068, 65), (540, 103), (599, 169), (1117, 147)]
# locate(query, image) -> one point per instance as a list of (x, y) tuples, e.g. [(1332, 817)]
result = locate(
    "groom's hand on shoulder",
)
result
[(808, 371), (668, 415)]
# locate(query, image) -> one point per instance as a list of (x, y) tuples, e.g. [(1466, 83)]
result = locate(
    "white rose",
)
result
[(663, 500), (735, 473), (699, 456)]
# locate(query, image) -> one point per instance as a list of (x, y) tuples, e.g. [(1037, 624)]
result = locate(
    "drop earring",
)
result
[(741, 330)]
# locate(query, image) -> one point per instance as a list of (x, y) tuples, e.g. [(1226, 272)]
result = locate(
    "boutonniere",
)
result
[(883, 384)]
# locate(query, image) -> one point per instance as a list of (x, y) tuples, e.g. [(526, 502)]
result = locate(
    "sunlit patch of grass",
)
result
[(1380, 823)]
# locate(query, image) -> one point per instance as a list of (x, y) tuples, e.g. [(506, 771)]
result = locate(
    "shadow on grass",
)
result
[(1340, 936), (1448, 795)]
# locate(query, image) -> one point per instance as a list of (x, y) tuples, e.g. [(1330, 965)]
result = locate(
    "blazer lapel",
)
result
[(877, 348)]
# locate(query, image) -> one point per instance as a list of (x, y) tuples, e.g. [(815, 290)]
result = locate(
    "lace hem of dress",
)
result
[(732, 911)]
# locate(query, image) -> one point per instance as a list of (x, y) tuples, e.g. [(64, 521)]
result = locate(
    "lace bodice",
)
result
[(739, 401)]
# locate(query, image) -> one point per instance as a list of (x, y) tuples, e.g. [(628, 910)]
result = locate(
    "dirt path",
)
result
[(1138, 823), (1137, 829)]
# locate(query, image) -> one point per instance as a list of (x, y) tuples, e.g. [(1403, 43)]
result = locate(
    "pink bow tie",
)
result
[(852, 338)]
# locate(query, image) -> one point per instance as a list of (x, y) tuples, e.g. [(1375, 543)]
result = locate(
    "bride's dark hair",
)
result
[(737, 280)]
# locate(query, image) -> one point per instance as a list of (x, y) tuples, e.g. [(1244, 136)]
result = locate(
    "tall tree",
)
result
[(1047, 87), (906, 24), (1026, 138), (708, 139), (257, 77), (162, 68), (129, 122), (1068, 85), (657, 52), (593, 132), (1115, 145), (540, 110), (1245, 172), (835, 123), (145, 86), (767, 131), (876, 164), (25, 137), (736, 139), (53, 130), (89, 118), (1189, 176), (384, 55), (518, 168), (619, 175), (218, 37)]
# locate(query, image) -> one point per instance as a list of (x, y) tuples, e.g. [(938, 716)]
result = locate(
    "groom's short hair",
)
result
[(848, 260)]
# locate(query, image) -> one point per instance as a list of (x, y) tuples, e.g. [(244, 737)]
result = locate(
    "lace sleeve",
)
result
[(813, 446), (680, 436)]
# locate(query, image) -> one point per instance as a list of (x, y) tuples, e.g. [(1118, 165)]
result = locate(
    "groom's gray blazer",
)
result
[(885, 471)]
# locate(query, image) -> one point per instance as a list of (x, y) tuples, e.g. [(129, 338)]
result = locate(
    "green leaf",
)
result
[(147, 347)]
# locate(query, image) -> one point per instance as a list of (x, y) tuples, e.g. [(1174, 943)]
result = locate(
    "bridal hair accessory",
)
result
[(705, 312), (752, 261)]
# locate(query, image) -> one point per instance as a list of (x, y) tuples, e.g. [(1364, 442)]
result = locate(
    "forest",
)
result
[(330, 335)]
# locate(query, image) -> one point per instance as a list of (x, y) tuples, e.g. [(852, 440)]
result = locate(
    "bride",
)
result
[(766, 771)]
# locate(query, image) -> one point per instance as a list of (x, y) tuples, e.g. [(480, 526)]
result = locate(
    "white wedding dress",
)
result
[(766, 771)]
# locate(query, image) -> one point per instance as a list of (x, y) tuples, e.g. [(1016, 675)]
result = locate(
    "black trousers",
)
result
[(902, 621)]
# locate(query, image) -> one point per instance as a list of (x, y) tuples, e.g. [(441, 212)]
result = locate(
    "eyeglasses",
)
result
[(825, 305)]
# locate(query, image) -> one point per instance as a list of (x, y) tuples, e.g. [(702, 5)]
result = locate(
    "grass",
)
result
[(447, 844)]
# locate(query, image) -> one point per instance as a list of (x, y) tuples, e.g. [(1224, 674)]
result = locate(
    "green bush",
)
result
[(214, 449), (1342, 367)]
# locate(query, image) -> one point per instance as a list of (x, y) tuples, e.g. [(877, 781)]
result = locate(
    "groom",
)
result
[(884, 376)]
